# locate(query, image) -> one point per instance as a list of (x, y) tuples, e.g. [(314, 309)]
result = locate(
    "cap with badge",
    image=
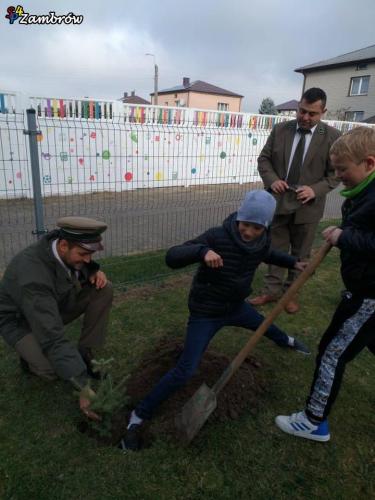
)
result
[(83, 231)]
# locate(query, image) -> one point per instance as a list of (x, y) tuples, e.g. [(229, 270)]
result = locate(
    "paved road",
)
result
[(140, 220)]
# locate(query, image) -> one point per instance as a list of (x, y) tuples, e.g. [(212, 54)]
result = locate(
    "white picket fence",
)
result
[(91, 108), (93, 145)]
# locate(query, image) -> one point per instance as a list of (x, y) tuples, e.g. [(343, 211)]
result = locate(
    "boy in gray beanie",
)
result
[(258, 207), (228, 257)]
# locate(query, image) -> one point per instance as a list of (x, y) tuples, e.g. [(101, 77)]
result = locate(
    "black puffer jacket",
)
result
[(357, 243), (215, 292)]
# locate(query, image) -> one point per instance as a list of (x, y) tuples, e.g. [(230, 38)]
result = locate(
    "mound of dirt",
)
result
[(240, 393)]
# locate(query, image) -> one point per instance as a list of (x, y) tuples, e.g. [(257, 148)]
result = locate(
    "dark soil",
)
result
[(240, 394)]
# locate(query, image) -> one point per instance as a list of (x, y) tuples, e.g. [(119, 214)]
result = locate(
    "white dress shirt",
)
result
[(56, 254)]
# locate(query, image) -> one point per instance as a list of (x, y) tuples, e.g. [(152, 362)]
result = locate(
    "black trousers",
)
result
[(352, 328)]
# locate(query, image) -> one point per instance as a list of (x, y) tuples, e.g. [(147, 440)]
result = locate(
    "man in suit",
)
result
[(295, 167)]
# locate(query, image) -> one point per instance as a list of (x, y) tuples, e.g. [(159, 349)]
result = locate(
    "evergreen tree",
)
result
[(109, 398), (267, 107)]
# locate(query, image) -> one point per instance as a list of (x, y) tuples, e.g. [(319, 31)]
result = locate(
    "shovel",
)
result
[(203, 402)]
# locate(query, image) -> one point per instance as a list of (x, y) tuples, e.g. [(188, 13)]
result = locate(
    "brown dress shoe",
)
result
[(292, 307), (262, 299)]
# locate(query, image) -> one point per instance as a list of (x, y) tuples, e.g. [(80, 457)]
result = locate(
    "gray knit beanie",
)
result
[(257, 207)]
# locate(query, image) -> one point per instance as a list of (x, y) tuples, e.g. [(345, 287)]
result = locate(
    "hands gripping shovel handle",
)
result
[(197, 410)]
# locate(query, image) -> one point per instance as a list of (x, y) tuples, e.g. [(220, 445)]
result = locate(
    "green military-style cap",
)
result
[(83, 231)]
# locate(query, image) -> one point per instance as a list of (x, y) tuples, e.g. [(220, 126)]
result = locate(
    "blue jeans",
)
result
[(200, 331)]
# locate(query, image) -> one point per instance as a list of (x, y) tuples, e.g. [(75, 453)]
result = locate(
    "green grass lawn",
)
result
[(43, 456)]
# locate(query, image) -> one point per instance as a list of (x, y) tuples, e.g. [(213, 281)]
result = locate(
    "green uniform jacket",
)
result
[(34, 290)]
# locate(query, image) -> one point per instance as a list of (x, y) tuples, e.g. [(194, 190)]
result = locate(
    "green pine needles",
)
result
[(109, 398)]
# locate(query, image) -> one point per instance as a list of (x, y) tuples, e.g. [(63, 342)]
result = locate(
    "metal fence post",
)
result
[(32, 132)]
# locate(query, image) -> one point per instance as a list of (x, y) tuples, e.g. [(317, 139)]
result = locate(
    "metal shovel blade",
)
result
[(195, 412)]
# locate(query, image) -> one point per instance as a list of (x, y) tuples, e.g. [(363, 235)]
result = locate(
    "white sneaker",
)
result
[(299, 425), (298, 346)]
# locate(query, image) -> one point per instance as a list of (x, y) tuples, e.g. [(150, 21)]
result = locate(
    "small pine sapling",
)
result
[(109, 398)]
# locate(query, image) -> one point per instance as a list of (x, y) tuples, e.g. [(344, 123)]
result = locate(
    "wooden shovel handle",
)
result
[(268, 320)]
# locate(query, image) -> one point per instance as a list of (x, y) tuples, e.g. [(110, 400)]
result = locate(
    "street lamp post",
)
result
[(156, 78)]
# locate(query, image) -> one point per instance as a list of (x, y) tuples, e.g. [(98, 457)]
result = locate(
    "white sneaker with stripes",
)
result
[(299, 425)]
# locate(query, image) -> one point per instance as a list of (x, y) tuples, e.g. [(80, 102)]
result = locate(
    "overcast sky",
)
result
[(250, 47)]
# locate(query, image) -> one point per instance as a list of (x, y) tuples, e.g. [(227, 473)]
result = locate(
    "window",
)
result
[(222, 106), (361, 66), (359, 85), (180, 103), (354, 116)]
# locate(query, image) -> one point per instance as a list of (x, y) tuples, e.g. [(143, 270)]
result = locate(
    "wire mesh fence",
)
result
[(155, 179), (16, 207)]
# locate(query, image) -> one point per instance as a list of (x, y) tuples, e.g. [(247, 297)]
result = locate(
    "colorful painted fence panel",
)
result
[(85, 147), (84, 157)]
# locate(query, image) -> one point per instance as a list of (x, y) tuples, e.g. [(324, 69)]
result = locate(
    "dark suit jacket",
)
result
[(316, 171)]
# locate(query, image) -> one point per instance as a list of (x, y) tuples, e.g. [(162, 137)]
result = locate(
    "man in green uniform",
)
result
[(49, 284)]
